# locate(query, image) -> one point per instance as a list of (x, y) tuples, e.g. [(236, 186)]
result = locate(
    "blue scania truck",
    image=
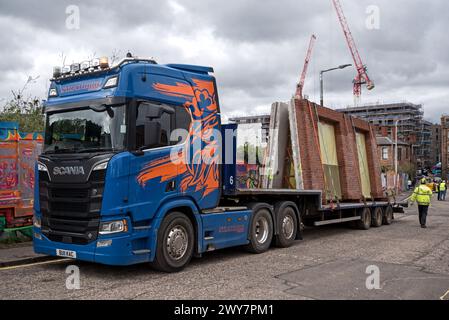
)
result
[(114, 187)]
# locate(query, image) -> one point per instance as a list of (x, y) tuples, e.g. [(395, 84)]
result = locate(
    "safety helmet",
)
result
[(423, 181)]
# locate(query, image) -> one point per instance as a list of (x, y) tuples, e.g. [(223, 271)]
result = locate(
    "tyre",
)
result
[(365, 222), (377, 218), (287, 226), (175, 243), (261, 231), (388, 216)]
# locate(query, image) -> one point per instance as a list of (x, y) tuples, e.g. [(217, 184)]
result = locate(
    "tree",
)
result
[(408, 168), (25, 110)]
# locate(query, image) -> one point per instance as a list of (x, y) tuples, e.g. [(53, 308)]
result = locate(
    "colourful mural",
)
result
[(248, 176), (18, 153)]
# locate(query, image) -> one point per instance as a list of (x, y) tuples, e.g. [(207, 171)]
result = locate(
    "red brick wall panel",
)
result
[(347, 153)]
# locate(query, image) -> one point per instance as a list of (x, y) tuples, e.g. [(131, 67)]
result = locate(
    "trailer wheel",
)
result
[(365, 222), (175, 242), (377, 217), (388, 216), (261, 231), (288, 227)]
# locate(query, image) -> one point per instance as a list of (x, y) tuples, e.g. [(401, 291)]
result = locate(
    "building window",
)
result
[(399, 154), (385, 153)]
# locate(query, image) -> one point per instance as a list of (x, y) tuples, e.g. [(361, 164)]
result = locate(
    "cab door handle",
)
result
[(171, 186)]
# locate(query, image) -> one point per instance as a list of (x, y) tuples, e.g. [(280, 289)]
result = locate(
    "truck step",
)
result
[(223, 209), (143, 251)]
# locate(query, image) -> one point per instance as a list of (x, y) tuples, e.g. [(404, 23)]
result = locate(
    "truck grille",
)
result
[(71, 212)]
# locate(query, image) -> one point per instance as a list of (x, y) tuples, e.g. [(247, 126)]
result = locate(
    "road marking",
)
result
[(34, 264), (443, 297)]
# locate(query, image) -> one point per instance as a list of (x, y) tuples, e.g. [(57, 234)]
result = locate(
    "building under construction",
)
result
[(445, 146), (409, 120), (262, 119)]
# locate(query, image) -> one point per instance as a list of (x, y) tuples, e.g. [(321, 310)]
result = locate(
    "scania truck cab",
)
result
[(108, 183), (137, 168)]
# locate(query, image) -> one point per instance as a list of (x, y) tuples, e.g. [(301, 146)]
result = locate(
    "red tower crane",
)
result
[(362, 74), (302, 79)]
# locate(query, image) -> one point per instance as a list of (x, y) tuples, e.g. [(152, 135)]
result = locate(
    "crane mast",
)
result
[(300, 86), (362, 74)]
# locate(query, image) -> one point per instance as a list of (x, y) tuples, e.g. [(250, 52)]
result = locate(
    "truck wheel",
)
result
[(288, 227), (261, 231), (365, 222), (388, 216), (377, 217), (175, 242)]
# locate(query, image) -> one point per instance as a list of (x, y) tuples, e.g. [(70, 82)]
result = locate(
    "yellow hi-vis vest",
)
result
[(442, 186), (422, 195)]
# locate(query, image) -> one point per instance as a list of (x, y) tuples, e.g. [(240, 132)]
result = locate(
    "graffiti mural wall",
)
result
[(18, 153)]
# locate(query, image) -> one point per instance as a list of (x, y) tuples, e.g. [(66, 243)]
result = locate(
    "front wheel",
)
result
[(175, 243), (261, 231)]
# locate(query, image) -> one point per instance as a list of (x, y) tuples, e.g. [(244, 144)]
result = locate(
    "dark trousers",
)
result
[(443, 195), (423, 210)]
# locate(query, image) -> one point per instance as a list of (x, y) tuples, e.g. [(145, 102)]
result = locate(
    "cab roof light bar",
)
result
[(93, 67)]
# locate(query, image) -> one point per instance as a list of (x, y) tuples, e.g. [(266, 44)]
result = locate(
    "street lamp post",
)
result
[(396, 187), (321, 80)]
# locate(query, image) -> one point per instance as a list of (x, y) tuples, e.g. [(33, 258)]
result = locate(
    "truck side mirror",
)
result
[(156, 112)]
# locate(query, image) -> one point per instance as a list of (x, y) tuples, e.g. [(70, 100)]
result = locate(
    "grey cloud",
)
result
[(51, 15), (263, 44)]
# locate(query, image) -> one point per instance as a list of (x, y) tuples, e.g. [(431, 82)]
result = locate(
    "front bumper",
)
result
[(124, 249)]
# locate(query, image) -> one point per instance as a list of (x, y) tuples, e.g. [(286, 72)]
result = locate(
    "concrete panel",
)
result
[(277, 145), (296, 152)]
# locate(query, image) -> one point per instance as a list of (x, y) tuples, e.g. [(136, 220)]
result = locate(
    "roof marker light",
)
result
[(112, 82), (85, 65), (75, 67), (53, 92), (56, 72), (104, 63), (65, 69), (95, 63)]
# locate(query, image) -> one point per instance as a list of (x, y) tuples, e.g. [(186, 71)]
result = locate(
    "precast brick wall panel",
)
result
[(308, 114)]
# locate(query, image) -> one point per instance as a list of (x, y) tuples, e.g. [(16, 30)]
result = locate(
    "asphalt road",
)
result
[(330, 263)]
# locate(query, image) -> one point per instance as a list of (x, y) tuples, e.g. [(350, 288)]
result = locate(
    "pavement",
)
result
[(19, 254), (332, 262)]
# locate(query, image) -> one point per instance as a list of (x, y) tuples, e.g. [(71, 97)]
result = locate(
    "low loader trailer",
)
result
[(138, 168)]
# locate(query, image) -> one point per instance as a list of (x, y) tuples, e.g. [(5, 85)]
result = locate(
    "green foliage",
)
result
[(250, 153), (27, 112), (409, 168)]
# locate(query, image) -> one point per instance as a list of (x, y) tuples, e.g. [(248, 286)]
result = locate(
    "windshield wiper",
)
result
[(94, 150), (62, 150)]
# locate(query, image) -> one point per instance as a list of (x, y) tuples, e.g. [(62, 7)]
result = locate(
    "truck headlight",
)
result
[(113, 227), (101, 166), (37, 222), (41, 167)]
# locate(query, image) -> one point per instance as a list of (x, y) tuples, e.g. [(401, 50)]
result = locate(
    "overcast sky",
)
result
[(257, 48)]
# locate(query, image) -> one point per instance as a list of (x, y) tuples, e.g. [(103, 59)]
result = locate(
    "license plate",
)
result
[(66, 253)]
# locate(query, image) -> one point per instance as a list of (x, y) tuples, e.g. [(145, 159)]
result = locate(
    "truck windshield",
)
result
[(91, 129)]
